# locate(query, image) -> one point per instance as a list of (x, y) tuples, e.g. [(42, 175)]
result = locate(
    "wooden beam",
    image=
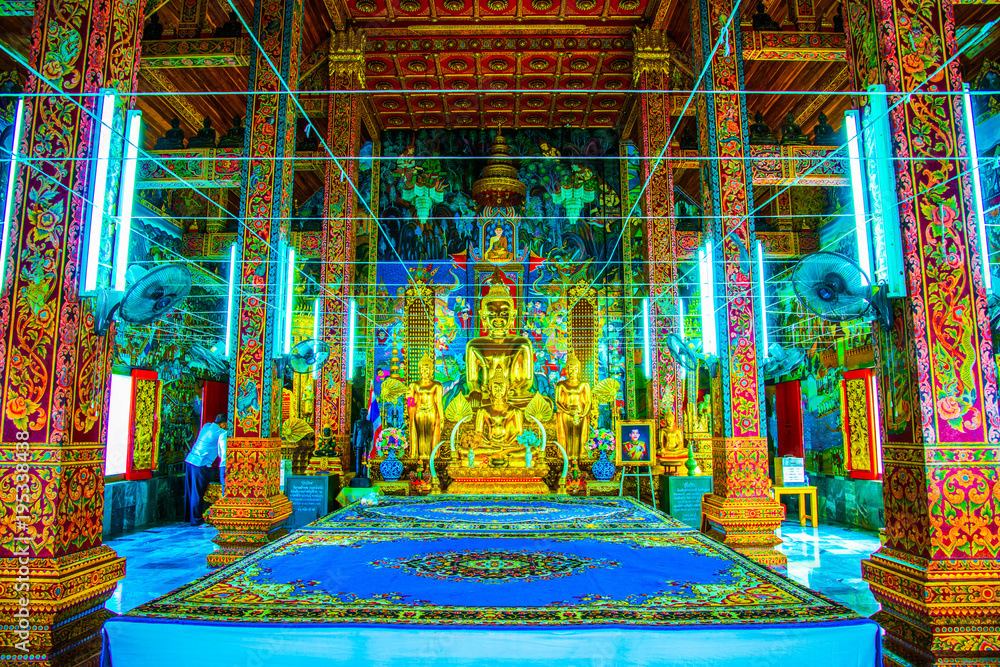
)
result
[(192, 53), (179, 103), (338, 13), (17, 7), (808, 46), (832, 82), (782, 165), (314, 60)]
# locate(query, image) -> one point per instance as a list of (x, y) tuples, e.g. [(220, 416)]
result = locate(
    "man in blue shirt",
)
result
[(198, 465)]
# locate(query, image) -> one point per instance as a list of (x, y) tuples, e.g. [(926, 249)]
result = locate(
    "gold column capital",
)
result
[(656, 53), (347, 54)]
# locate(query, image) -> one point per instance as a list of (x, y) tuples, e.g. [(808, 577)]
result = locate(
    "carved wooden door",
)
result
[(144, 441), (860, 424)]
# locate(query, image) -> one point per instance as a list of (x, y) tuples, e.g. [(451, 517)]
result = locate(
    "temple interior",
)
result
[(499, 332)]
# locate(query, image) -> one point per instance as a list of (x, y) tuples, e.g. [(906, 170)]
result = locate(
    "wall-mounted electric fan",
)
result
[(782, 361), (308, 356), (150, 296), (836, 289)]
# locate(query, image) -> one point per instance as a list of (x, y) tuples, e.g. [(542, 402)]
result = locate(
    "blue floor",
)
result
[(158, 560)]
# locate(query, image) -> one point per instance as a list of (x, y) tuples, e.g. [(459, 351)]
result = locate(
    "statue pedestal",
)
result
[(498, 480), (673, 462)]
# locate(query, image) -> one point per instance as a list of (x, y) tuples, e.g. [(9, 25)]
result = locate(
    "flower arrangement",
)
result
[(390, 439), (603, 440), (528, 439)]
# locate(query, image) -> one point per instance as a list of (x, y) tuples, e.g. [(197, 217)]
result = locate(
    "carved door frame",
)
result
[(144, 426)]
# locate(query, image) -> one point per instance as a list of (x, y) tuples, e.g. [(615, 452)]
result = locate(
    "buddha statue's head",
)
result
[(499, 385), (572, 367), (426, 367), (498, 309)]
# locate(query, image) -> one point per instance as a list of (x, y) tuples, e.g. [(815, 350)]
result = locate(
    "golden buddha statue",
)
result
[(424, 413), (499, 423), (573, 405), (500, 349)]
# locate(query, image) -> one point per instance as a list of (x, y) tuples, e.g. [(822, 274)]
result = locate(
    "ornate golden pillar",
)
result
[(740, 511), (253, 510), (55, 574), (333, 391), (937, 574)]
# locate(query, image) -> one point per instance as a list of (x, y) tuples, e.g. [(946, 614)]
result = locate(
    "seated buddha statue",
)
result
[(760, 133), (791, 133), (499, 423), (234, 136), (824, 134), (205, 137), (499, 349), (172, 139)]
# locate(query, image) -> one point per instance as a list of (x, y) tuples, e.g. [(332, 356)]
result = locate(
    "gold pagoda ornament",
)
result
[(498, 185)]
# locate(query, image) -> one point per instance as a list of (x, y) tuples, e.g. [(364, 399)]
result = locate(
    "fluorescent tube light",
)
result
[(8, 211), (647, 360), (351, 331), (977, 187), (233, 274), (99, 189), (709, 336), (763, 298), (126, 196), (289, 299), (851, 122)]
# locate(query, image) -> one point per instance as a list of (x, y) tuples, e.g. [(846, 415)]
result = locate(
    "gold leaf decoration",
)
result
[(392, 390), (458, 409), (606, 391), (295, 429), (540, 408)]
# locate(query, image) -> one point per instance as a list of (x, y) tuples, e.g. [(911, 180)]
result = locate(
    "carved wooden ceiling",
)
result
[(579, 79), (369, 12)]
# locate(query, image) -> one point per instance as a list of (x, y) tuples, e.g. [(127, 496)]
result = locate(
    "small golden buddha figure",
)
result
[(499, 424), (497, 250), (573, 405), (424, 413), (499, 349), (671, 441)]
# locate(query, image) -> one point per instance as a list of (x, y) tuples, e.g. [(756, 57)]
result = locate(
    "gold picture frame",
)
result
[(626, 452)]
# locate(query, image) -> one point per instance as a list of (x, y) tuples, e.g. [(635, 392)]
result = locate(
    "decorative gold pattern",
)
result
[(857, 424), (419, 328)]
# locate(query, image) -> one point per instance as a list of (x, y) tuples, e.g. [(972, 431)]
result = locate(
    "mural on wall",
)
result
[(436, 240), (822, 418)]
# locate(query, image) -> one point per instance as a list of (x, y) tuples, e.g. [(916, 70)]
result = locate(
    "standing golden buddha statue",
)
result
[(499, 349), (424, 414), (573, 406)]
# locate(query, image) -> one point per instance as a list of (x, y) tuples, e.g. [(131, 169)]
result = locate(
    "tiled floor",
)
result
[(828, 559), (158, 560)]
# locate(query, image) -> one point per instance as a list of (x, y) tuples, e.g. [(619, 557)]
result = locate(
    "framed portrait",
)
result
[(635, 443)]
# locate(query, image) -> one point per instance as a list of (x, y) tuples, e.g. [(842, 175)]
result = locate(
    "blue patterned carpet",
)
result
[(499, 513), (515, 563)]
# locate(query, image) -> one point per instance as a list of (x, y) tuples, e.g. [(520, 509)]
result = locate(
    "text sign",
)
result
[(683, 498)]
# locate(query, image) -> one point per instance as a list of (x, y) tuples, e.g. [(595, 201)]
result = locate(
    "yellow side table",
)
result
[(801, 492)]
